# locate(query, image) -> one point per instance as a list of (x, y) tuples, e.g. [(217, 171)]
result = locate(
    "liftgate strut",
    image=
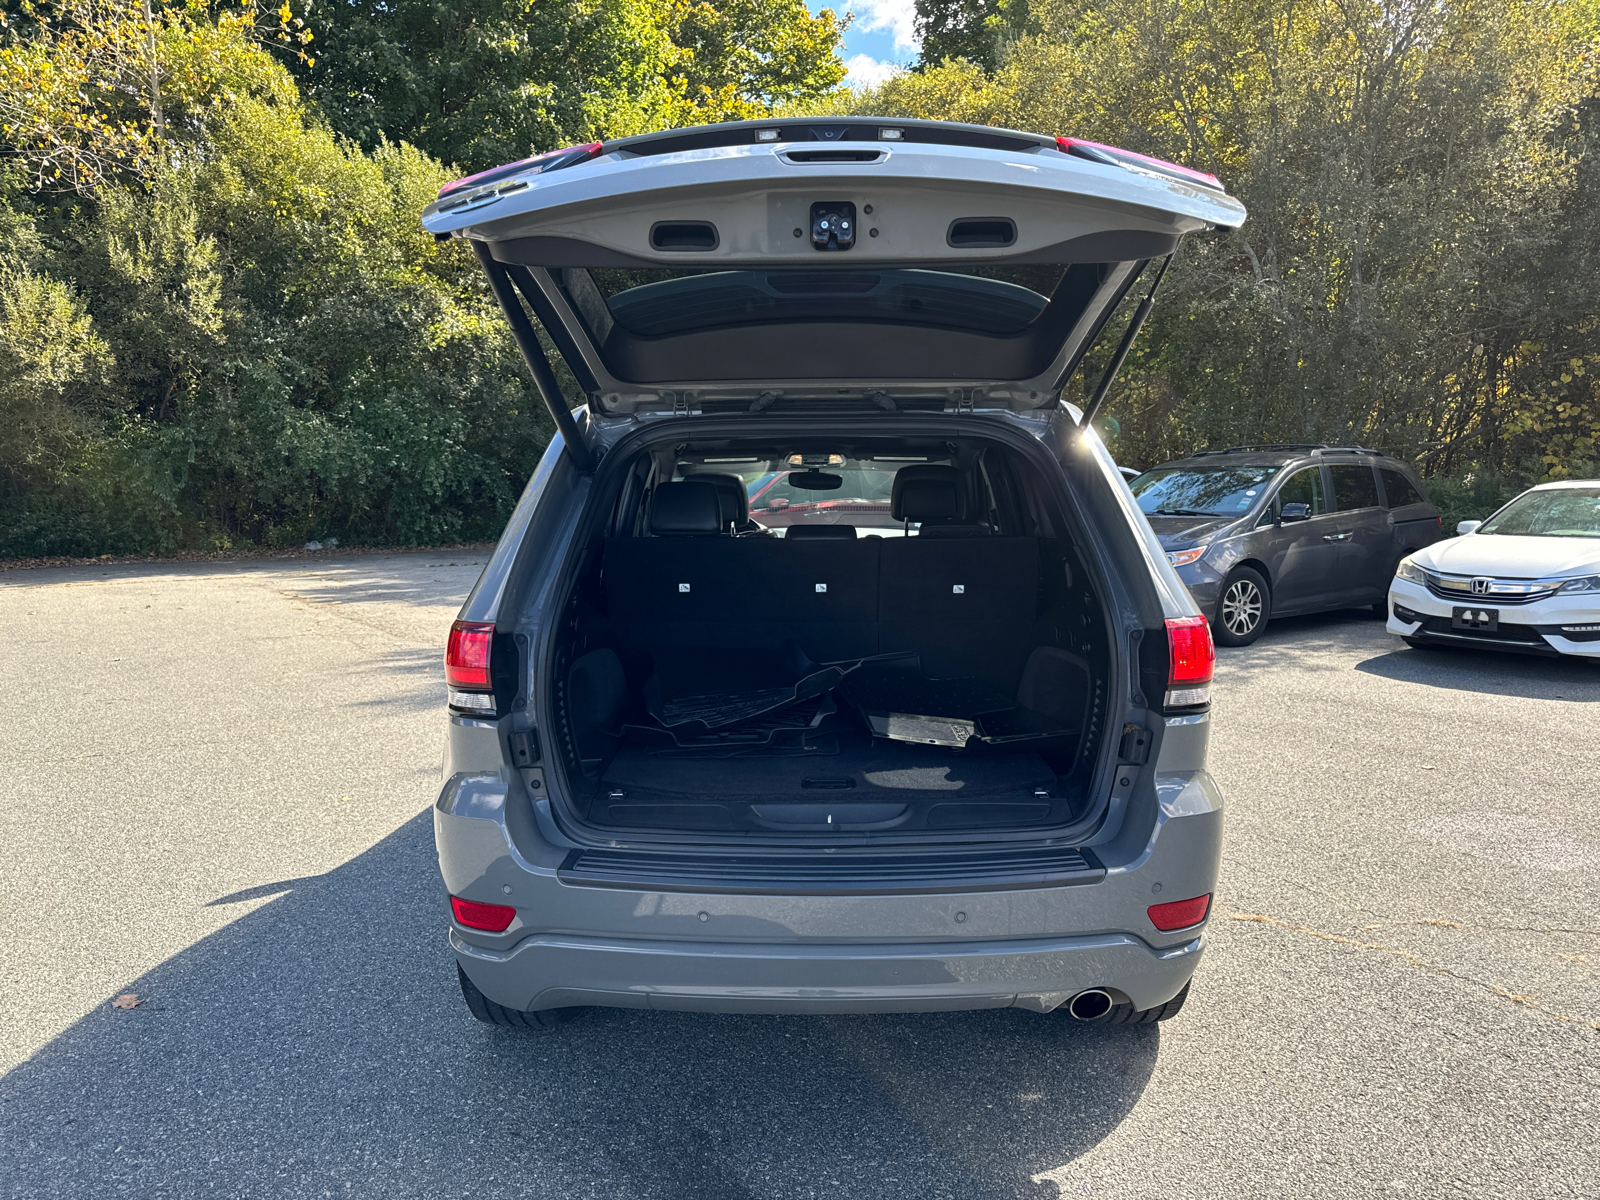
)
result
[(533, 354), (1140, 316)]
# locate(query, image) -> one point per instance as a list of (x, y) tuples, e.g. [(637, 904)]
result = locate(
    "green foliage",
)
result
[(293, 355), (487, 81), (739, 59), (1417, 269), (979, 31), (1472, 493)]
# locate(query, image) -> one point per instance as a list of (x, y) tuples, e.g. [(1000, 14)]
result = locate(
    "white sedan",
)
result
[(1527, 579)]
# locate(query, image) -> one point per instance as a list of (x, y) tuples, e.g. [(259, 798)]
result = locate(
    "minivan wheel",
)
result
[(490, 1013), (1126, 1014), (1244, 608)]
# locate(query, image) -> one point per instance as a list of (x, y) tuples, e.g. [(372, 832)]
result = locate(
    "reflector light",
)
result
[(476, 701), (1118, 157), (466, 657), (550, 160), (491, 918), (1179, 914)]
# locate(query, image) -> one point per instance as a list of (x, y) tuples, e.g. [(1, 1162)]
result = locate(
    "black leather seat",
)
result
[(735, 502), (932, 496), (687, 509)]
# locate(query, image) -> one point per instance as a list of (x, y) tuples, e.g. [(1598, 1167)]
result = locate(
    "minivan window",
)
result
[(1560, 512), (1201, 491), (1304, 487), (1398, 490), (1353, 487)]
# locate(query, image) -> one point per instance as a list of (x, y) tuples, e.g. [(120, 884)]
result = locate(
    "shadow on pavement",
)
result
[(318, 1045), (1491, 673)]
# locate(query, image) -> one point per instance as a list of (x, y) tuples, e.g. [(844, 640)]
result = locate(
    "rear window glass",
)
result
[(1353, 487), (777, 502), (997, 300), (1400, 491), (1201, 492)]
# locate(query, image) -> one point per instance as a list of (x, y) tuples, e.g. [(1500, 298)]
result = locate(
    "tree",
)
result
[(979, 31), (739, 59), (1413, 274), (485, 82), (87, 87)]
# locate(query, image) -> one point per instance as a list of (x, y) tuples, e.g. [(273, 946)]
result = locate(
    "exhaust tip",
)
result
[(1090, 1005)]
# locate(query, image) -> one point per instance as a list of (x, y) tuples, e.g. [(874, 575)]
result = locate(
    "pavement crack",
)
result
[(1520, 998)]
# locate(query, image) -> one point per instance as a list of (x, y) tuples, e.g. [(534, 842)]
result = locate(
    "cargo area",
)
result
[(826, 639)]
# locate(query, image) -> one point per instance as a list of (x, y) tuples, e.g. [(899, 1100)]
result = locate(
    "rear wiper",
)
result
[(1180, 512)]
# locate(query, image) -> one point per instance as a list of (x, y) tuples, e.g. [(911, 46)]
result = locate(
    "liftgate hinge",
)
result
[(1135, 748)]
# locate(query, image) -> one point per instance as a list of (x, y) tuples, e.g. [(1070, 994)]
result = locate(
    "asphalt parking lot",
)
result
[(216, 792)]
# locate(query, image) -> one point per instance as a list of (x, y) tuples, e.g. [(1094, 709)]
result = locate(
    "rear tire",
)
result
[(490, 1013), (1243, 609), (1125, 1014)]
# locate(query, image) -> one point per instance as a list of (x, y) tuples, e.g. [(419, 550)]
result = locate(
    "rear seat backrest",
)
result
[(744, 592), (966, 605)]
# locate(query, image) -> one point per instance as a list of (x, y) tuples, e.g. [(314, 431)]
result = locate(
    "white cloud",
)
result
[(863, 71), (898, 17)]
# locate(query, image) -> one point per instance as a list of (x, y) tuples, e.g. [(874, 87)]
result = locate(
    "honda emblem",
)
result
[(1480, 586)]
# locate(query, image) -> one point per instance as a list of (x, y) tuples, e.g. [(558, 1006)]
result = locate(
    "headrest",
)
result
[(927, 493), (809, 533), (735, 499), (685, 509)]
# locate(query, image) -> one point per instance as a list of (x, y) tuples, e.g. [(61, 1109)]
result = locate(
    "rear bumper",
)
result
[(552, 971)]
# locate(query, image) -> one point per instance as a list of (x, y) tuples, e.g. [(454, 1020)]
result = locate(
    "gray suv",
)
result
[(827, 663), (1263, 531)]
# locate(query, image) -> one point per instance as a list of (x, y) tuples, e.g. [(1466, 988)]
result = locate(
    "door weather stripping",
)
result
[(528, 342), (1140, 316)]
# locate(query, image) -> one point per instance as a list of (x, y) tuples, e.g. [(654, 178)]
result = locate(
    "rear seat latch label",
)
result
[(822, 587), (959, 589), (683, 587)]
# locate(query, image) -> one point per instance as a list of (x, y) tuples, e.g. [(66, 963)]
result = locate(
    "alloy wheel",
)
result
[(1241, 607)]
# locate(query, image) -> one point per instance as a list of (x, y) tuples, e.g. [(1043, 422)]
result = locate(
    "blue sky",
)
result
[(880, 39)]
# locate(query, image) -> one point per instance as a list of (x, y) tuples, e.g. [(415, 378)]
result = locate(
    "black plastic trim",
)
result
[(968, 233), (684, 237), (834, 874)]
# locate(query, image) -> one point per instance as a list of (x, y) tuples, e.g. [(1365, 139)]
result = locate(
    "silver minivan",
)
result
[(827, 663)]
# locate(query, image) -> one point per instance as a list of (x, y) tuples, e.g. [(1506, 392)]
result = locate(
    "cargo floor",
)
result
[(860, 785)]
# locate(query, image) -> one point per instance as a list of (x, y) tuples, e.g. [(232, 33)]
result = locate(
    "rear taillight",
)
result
[(1117, 156), (491, 918), (466, 658), (1191, 659), (1179, 914)]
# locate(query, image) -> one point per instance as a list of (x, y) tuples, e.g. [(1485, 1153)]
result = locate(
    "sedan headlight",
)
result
[(1409, 570), (1182, 558), (1584, 583)]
